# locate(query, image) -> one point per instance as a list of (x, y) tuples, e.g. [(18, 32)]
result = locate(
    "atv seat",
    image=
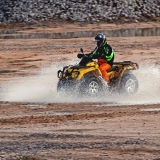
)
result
[(114, 68)]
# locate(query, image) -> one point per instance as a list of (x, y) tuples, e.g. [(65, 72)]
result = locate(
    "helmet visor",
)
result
[(99, 43), (96, 40)]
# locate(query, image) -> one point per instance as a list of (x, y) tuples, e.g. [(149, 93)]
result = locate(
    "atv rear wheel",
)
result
[(129, 84), (91, 86)]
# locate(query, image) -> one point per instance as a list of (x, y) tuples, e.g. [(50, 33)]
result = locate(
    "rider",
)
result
[(104, 53)]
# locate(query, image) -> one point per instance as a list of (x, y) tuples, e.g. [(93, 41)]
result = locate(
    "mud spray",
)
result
[(42, 87)]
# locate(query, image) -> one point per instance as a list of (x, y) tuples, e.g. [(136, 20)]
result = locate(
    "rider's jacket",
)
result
[(105, 52)]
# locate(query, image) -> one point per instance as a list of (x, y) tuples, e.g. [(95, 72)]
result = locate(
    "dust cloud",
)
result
[(42, 87)]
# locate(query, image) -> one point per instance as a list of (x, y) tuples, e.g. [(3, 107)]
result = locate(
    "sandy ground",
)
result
[(83, 130)]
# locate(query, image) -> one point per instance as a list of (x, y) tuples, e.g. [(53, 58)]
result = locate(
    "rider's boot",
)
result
[(106, 84)]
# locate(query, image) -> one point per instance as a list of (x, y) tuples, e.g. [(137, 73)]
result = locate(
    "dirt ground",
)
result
[(84, 130)]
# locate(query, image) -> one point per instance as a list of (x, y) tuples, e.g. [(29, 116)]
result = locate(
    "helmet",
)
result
[(100, 38)]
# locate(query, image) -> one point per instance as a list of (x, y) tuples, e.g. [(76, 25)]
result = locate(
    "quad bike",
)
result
[(85, 79)]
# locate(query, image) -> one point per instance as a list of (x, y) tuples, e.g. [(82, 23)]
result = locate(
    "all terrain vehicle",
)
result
[(85, 79)]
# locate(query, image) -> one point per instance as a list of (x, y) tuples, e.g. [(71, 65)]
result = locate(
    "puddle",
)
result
[(36, 106), (56, 113), (73, 130), (151, 109), (11, 34)]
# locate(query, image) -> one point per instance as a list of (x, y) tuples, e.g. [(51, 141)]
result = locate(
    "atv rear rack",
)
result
[(125, 63)]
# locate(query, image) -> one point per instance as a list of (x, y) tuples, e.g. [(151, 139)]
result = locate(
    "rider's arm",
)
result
[(95, 54)]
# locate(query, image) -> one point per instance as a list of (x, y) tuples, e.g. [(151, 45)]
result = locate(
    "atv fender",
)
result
[(96, 73)]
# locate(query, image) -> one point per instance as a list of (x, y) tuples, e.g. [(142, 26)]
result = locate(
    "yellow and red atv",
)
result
[(85, 79)]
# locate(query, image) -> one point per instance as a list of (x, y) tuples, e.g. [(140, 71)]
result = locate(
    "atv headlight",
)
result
[(76, 74), (59, 74)]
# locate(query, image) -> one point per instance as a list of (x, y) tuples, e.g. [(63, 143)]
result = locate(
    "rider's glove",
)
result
[(79, 55)]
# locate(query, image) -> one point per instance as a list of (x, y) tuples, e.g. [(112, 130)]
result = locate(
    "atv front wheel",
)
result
[(129, 84), (92, 86), (61, 90), (64, 88)]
